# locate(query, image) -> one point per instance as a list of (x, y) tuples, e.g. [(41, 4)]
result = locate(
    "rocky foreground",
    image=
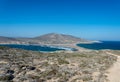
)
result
[(27, 66)]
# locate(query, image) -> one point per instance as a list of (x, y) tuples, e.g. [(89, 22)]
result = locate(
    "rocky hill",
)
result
[(51, 38), (54, 38)]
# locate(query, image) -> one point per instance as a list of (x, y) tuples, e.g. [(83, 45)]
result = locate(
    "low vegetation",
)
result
[(27, 66)]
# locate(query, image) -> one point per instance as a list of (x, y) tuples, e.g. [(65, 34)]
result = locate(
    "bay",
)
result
[(112, 45)]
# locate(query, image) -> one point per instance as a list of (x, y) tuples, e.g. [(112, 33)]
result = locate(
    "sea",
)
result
[(41, 48), (112, 45)]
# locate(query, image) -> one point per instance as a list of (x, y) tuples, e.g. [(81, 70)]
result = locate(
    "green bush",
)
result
[(62, 61)]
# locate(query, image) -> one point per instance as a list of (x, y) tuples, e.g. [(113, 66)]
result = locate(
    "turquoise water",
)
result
[(113, 45), (37, 47)]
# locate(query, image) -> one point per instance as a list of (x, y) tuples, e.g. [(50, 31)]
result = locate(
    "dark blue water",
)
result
[(113, 45), (32, 47)]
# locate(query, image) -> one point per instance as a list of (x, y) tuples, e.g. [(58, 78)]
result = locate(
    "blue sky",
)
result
[(90, 19)]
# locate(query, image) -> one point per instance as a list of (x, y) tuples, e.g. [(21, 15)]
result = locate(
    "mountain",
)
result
[(54, 38), (51, 38)]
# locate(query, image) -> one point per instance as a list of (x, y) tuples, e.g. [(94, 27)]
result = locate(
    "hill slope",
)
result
[(53, 38), (25, 66), (7, 39)]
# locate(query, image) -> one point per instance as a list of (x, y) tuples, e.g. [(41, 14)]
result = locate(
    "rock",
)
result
[(6, 77), (31, 68), (32, 74), (10, 71)]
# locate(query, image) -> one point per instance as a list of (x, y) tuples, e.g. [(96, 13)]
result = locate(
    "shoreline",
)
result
[(67, 47), (63, 46)]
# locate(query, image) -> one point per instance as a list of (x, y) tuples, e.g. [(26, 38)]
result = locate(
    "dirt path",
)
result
[(114, 72)]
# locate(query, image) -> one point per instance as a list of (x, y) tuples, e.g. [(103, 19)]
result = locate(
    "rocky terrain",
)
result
[(28, 66)]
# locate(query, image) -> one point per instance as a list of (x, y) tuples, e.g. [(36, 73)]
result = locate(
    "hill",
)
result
[(7, 39), (51, 38), (54, 38)]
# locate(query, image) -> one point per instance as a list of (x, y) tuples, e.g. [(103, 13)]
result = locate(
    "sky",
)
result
[(89, 19)]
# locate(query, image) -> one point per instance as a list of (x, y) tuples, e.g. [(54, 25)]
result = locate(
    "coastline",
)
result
[(67, 47), (63, 46)]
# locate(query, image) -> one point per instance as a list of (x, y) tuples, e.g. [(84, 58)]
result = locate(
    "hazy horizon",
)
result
[(89, 19)]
